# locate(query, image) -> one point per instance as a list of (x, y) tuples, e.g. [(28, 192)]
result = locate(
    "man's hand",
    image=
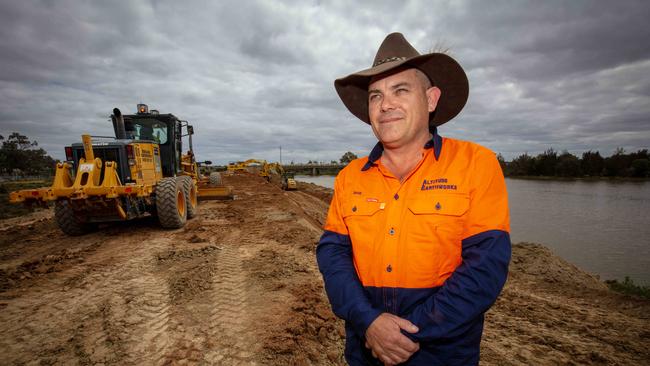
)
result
[(387, 342)]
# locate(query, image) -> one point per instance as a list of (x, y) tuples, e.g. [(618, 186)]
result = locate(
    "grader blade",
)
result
[(215, 193)]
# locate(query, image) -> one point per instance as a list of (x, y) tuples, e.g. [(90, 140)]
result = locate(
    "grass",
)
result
[(628, 287), (8, 210)]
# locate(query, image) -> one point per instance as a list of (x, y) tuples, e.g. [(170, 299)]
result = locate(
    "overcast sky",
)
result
[(252, 76)]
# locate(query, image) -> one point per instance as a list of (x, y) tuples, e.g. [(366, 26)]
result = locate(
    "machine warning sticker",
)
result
[(156, 159), (86, 168)]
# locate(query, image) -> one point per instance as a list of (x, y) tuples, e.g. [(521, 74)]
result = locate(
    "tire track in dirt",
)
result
[(117, 314), (229, 318), (134, 311), (133, 315), (149, 339)]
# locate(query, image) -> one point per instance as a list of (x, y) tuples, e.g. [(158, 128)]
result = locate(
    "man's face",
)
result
[(399, 106)]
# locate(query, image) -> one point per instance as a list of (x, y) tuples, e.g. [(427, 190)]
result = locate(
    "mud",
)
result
[(239, 285)]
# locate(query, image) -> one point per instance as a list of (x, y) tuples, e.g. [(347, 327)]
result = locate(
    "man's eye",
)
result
[(374, 97), (401, 90)]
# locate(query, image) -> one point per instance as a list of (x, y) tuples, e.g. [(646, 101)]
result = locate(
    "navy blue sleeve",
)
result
[(468, 292), (344, 290)]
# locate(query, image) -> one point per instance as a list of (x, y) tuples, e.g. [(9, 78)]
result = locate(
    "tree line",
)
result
[(590, 164), (20, 156)]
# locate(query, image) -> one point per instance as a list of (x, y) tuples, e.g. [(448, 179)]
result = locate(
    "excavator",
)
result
[(265, 169)]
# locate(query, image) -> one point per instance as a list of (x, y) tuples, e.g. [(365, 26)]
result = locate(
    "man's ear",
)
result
[(433, 95)]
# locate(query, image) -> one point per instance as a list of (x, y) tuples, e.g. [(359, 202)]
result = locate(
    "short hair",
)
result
[(424, 79)]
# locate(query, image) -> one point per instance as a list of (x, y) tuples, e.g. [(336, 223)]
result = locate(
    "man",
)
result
[(416, 245)]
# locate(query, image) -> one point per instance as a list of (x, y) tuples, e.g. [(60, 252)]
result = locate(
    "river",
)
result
[(603, 227)]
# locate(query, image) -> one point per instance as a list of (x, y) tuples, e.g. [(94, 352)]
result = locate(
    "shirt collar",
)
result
[(435, 143)]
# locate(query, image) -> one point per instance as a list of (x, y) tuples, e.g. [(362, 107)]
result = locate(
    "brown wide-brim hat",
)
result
[(396, 52)]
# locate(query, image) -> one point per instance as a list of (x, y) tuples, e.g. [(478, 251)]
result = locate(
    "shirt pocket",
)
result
[(434, 231), (363, 220)]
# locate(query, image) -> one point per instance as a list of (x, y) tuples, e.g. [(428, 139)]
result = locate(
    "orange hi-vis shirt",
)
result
[(408, 234), (433, 249)]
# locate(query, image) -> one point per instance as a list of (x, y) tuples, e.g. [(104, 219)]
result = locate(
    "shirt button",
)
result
[(391, 231), (396, 196), (389, 269)]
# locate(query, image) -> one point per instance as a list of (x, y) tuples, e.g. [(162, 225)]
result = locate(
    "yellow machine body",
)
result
[(142, 172), (88, 188), (146, 167)]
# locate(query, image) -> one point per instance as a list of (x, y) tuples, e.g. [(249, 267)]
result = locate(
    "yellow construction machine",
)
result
[(252, 166), (142, 171), (288, 182), (265, 170)]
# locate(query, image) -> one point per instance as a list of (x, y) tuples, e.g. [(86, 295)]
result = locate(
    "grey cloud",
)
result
[(251, 76)]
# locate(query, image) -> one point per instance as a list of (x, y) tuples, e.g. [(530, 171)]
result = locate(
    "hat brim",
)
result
[(443, 71)]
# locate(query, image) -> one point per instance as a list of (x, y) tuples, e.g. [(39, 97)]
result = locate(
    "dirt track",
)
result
[(239, 285)]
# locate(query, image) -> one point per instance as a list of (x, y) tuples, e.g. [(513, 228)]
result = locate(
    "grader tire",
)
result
[(191, 196), (171, 203), (215, 179), (68, 221)]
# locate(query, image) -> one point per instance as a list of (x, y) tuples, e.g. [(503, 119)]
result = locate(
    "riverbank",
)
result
[(239, 285)]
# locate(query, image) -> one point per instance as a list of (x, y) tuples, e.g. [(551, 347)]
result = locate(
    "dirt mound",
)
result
[(551, 312), (535, 264), (306, 326), (322, 193)]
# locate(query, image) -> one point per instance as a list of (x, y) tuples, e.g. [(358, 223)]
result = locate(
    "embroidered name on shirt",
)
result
[(439, 183)]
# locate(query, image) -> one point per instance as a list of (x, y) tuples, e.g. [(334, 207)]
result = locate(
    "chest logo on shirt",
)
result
[(437, 183)]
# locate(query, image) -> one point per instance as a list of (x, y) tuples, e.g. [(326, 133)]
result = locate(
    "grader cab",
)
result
[(142, 171)]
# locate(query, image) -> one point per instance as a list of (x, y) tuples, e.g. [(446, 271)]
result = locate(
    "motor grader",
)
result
[(140, 172)]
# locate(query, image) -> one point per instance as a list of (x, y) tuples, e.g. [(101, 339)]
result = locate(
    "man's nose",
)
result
[(387, 103)]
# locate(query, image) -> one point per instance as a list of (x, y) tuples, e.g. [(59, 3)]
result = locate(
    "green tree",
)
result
[(568, 165), (503, 164), (18, 153), (545, 163), (522, 165), (640, 168), (347, 157), (616, 165), (592, 163)]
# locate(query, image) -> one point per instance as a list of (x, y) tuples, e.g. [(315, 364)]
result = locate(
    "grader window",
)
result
[(148, 130)]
